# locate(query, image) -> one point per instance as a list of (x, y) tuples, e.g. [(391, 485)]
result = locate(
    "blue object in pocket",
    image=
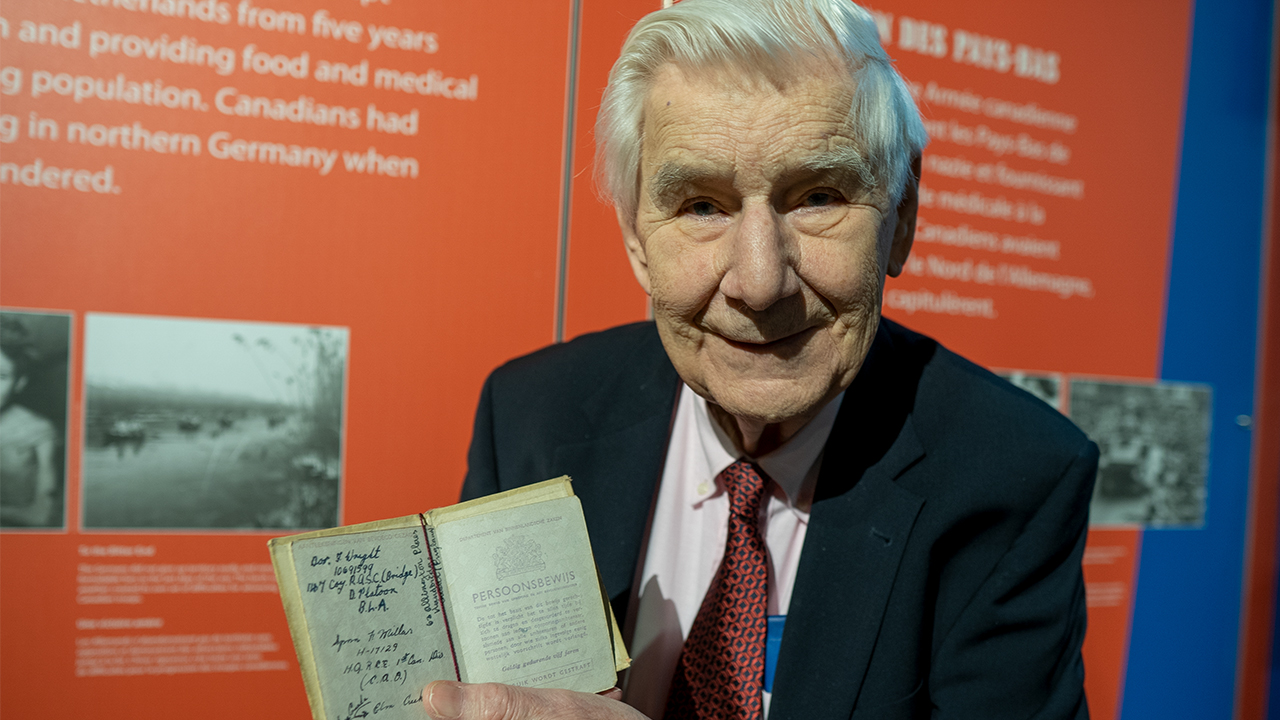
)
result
[(772, 643)]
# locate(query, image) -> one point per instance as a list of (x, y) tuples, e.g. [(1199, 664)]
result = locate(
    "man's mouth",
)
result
[(786, 342)]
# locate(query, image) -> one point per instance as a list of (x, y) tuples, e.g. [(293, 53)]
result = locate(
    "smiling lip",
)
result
[(782, 342)]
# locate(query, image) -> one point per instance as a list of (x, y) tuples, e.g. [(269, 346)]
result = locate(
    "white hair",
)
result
[(770, 38)]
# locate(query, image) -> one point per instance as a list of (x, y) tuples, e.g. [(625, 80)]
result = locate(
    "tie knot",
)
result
[(745, 483)]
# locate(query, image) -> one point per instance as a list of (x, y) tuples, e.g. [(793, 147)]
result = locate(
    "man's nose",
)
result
[(759, 269)]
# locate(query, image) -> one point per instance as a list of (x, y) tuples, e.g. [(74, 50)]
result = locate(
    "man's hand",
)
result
[(445, 700)]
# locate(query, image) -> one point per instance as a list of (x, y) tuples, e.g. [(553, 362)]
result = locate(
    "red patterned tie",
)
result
[(721, 671)]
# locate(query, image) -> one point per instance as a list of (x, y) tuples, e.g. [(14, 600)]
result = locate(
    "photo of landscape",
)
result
[(193, 423)]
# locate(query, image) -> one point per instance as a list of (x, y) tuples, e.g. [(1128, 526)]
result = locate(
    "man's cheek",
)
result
[(846, 277), (682, 287)]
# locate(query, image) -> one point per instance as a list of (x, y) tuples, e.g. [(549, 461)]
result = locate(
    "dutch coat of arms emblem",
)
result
[(517, 555)]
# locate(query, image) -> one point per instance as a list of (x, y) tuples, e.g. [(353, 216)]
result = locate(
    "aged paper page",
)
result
[(525, 605), (373, 616)]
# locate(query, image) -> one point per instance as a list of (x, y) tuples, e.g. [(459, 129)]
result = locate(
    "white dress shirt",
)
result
[(689, 529)]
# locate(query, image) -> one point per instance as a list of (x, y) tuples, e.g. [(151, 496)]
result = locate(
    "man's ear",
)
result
[(905, 231), (635, 249)]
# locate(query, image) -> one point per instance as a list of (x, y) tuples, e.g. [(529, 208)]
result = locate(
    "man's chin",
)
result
[(760, 382), (767, 401)]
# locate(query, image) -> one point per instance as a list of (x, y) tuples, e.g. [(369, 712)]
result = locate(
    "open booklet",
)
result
[(498, 589)]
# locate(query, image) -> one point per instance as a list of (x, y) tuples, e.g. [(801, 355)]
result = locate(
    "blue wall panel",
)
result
[(1182, 657)]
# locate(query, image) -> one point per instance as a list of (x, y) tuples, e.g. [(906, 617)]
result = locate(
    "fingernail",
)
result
[(445, 700)]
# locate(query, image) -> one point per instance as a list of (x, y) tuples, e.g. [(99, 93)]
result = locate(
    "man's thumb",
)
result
[(447, 700), (443, 699)]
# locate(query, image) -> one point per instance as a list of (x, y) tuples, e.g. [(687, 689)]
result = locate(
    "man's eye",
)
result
[(701, 208), (820, 198)]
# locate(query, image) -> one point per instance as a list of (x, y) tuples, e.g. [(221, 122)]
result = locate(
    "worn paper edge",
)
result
[(621, 660), (287, 580), (516, 497), (281, 550)]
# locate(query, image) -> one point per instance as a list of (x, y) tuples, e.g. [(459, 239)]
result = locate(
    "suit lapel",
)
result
[(858, 528), (616, 468), (616, 491)]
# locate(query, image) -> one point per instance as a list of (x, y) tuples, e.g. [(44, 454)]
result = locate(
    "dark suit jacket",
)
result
[(940, 574)]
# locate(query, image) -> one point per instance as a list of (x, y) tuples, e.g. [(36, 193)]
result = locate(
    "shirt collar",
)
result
[(793, 467)]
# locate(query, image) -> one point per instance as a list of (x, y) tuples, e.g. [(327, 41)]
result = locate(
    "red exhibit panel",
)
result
[(1032, 251), (285, 243), (1110, 575), (600, 291)]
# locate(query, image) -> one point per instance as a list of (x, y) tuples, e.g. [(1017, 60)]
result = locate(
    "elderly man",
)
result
[(769, 461)]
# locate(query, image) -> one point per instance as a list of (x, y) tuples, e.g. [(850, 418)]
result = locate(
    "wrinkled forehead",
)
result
[(712, 99), (744, 76), (716, 121)]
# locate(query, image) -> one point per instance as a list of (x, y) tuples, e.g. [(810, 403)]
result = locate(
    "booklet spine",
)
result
[(433, 558)]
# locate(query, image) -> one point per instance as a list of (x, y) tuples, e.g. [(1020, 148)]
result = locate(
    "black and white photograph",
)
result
[(1046, 387), (34, 364), (211, 424), (1154, 443)]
